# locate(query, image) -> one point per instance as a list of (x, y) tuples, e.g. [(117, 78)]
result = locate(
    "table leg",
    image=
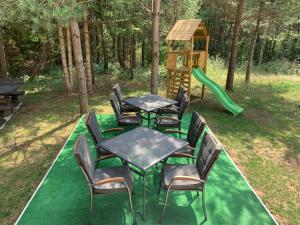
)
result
[(144, 196)]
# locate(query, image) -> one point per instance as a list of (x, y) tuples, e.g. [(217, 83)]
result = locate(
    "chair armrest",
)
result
[(168, 118), (186, 178), (127, 117), (174, 131), (110, 180), (181, 154), (173, 106), (129, 97), (114, 130), (190, 148), (105, 157)]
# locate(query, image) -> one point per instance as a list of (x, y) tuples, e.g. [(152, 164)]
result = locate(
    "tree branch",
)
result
[(144, 7)]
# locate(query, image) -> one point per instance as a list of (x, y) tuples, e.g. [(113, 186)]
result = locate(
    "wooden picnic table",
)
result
[(7, 89)]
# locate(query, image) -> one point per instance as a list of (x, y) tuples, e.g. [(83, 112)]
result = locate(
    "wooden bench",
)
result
[(14, 97), (2, 122), (5, 110)]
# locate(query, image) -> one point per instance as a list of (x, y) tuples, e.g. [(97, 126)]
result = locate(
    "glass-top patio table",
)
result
[(143, 147), (149, 103)]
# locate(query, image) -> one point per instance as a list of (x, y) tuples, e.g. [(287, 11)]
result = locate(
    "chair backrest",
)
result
[(183, 105), (208, 154), (93, 127), (115, 105), (180, 95), (117, 91), (84, 158), (196, 128)]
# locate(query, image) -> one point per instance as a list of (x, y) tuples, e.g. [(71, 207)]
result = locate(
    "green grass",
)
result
[(264, 141)]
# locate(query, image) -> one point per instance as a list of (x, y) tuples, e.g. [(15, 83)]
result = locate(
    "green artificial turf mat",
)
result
[(63, 197)]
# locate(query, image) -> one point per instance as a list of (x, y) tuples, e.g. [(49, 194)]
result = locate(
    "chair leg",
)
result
[(179, 128), (157, 127), (91, 203), (131, 207), (159, 187), (203, 202), (164, 208), (98, 157)]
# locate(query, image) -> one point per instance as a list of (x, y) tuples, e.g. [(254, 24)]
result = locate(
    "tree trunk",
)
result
[(70, 56), (261, 51), (253, 42), (99, 50), (63, 58), (94, 48), (175, 12), (124, 48), (3, 63), (149, 50), (224, 48), (83, 97), (94, 40), (114, 46), (41, 61), (120, 54), (132, 55), (155, 46), (143, 53), (89, 78), (234, 45), (273, 52), (265, 54), (104, 48)]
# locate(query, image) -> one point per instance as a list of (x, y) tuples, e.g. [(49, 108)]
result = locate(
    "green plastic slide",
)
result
[(221, 95)]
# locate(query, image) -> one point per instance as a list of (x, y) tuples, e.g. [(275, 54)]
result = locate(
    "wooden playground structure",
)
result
[(187, 48)]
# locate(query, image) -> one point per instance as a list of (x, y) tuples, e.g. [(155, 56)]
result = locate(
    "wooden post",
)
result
[(168, 70), (205, 65), (190, 64)]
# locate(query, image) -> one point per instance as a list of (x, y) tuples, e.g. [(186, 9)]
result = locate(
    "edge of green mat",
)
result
[(261, 202), (233, 163), (42, 181)]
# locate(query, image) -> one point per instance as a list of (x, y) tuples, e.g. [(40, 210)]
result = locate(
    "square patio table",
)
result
[(149, 103), (143, 147)]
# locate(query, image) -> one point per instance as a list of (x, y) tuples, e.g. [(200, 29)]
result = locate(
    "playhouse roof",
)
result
[(184, 30)]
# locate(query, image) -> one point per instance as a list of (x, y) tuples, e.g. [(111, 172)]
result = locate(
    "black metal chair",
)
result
[(173, 109), (96, 133), (124, 107), (104, 180), (123, 119), (163, 121), (191, 177), (196, 128)]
